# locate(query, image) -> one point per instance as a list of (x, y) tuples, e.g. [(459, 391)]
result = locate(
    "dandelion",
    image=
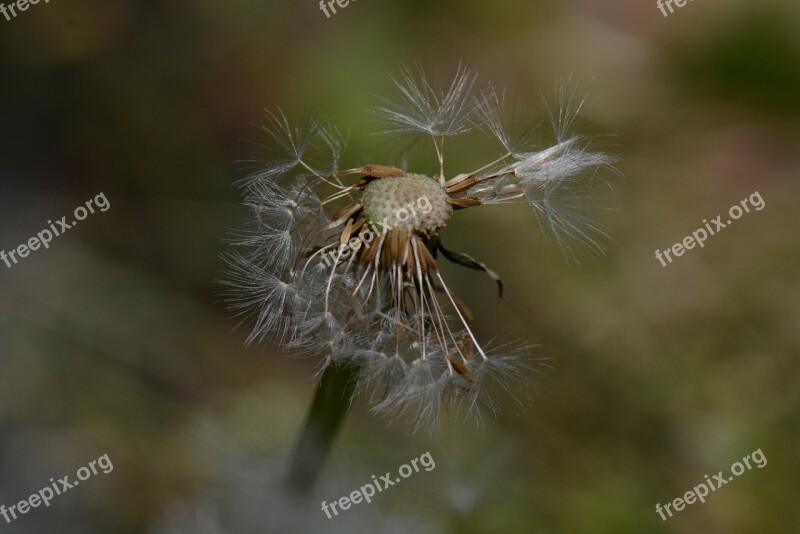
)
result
[(345, 264)]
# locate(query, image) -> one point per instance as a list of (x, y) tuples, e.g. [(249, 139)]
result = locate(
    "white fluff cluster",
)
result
[(383, 306)]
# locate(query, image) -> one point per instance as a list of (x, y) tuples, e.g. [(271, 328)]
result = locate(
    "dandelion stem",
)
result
[(326, 415)]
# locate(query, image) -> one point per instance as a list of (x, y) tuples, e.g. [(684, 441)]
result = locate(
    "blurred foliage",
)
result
[(753, 61), (114, 340)]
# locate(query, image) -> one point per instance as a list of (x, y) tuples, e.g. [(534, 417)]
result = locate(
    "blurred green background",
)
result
[(114, 340)]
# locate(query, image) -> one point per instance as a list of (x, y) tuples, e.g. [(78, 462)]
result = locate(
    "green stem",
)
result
[(326, 415)]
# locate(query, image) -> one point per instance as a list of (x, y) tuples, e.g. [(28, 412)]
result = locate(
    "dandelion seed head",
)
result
[(344, 264), (412, 202)]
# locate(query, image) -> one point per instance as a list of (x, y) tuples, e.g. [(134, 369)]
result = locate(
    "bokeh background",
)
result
[(114, 340)]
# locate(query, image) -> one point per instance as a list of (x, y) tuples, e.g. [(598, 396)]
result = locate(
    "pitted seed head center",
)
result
[(412, 202)]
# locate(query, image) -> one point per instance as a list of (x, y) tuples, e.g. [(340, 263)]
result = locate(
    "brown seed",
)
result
[(464, 202), (380, 171), (460, 368)]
